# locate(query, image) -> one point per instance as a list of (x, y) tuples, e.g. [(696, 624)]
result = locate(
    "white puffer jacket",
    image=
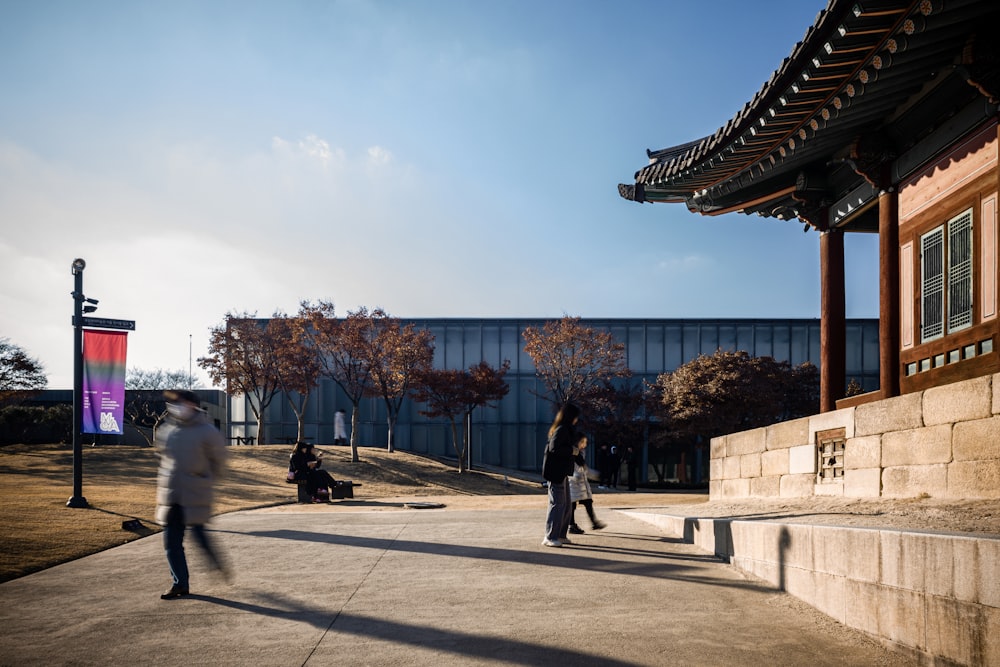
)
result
[(579, 486)]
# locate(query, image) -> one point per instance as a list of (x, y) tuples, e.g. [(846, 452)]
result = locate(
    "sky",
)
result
[(435, 158)]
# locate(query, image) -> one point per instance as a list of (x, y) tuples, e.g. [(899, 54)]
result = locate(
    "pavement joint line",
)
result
[(361, 582)]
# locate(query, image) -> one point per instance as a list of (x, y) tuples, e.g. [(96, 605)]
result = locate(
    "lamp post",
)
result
[(77, 499)]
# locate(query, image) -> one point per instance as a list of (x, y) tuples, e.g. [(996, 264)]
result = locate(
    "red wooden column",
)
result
[(833, 323), (888, 293)]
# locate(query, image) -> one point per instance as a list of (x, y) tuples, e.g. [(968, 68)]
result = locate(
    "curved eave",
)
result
[(855, 67)]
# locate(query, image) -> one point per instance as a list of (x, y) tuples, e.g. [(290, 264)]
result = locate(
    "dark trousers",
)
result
[(588, 505), (319, 479), (173, 544), (560, 508)]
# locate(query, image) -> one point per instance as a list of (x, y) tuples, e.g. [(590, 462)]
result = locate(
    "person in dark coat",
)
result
[(192, 456), (614, 466), (603, 466), (307, 466), (557, 467), (632, 465)]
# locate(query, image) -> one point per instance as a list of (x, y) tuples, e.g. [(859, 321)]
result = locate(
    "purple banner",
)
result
[(104, 381)]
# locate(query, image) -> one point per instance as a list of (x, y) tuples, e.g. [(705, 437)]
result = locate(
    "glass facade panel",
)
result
[(654, 348), (453, 343), (510, 344), (763, 346), (513, 433), (799, 345), (727, 338), (709, 335), (473, 346), (636, 348), (673, 348), (491, 345), (744, 338), (690, 341), (782, 347), (852, 359)]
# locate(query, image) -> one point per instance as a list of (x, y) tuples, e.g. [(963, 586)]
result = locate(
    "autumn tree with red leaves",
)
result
[(241, 358), (397, 356), (456, 393), (573, 360), (343, 347), (297, 364), (729, 392)]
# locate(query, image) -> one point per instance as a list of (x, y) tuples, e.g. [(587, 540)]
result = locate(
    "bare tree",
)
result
[(242, 358), (144, 406), (20, 374), (573, 360)]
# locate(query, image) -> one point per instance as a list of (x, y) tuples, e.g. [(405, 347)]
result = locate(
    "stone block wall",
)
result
[(943, 442)]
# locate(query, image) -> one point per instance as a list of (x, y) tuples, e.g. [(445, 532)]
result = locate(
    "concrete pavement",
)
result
[(378, 584)]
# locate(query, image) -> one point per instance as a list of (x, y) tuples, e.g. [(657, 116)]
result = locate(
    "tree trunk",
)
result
[(391, 445), (260, 428), (354, 433), (259, 414), (458, 449), (300, 415)]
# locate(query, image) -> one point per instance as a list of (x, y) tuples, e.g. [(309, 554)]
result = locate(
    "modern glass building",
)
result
[(511, 434)]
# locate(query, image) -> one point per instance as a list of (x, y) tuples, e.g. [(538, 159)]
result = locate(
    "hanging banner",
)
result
[(104, 381)]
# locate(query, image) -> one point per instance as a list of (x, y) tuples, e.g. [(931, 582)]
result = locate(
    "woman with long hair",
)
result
[(306, 466), (557, 466)]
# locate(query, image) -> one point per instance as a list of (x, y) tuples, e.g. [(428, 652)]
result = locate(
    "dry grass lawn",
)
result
[(37, 530)]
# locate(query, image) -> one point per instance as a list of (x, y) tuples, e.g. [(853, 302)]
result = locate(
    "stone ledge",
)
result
[(906, 588)]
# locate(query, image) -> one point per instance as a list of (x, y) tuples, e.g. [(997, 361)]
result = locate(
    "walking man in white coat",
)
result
[(192, 456)]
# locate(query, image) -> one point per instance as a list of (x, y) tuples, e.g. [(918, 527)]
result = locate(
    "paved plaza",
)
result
[(380, 584)]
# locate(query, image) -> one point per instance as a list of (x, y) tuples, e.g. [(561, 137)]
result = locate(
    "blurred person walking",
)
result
[(192, 456)]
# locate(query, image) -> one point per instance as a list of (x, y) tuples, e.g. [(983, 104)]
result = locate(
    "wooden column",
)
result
[(833, 323), (888, 293)]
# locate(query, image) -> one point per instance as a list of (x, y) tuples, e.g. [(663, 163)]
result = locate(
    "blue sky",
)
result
[(435, 158)]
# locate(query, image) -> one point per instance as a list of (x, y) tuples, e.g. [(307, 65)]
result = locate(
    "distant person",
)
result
[(632, 466), (339, 429), (603, 466), (614, 466), (307, 466), (192, 456), (557, 466), (579, 490)]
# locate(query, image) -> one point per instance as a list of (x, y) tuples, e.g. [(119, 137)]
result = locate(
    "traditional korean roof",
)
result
[(842, 115)]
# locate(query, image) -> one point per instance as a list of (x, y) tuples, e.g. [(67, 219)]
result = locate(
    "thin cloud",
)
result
[(683, 264)]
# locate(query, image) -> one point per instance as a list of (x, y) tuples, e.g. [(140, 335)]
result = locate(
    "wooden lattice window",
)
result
[(946, 278), (830, 446)]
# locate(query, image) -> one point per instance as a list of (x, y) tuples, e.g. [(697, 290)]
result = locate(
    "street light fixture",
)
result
[(77, 499)]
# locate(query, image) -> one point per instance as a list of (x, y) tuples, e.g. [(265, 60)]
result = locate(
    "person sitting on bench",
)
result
[(307, 466)]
